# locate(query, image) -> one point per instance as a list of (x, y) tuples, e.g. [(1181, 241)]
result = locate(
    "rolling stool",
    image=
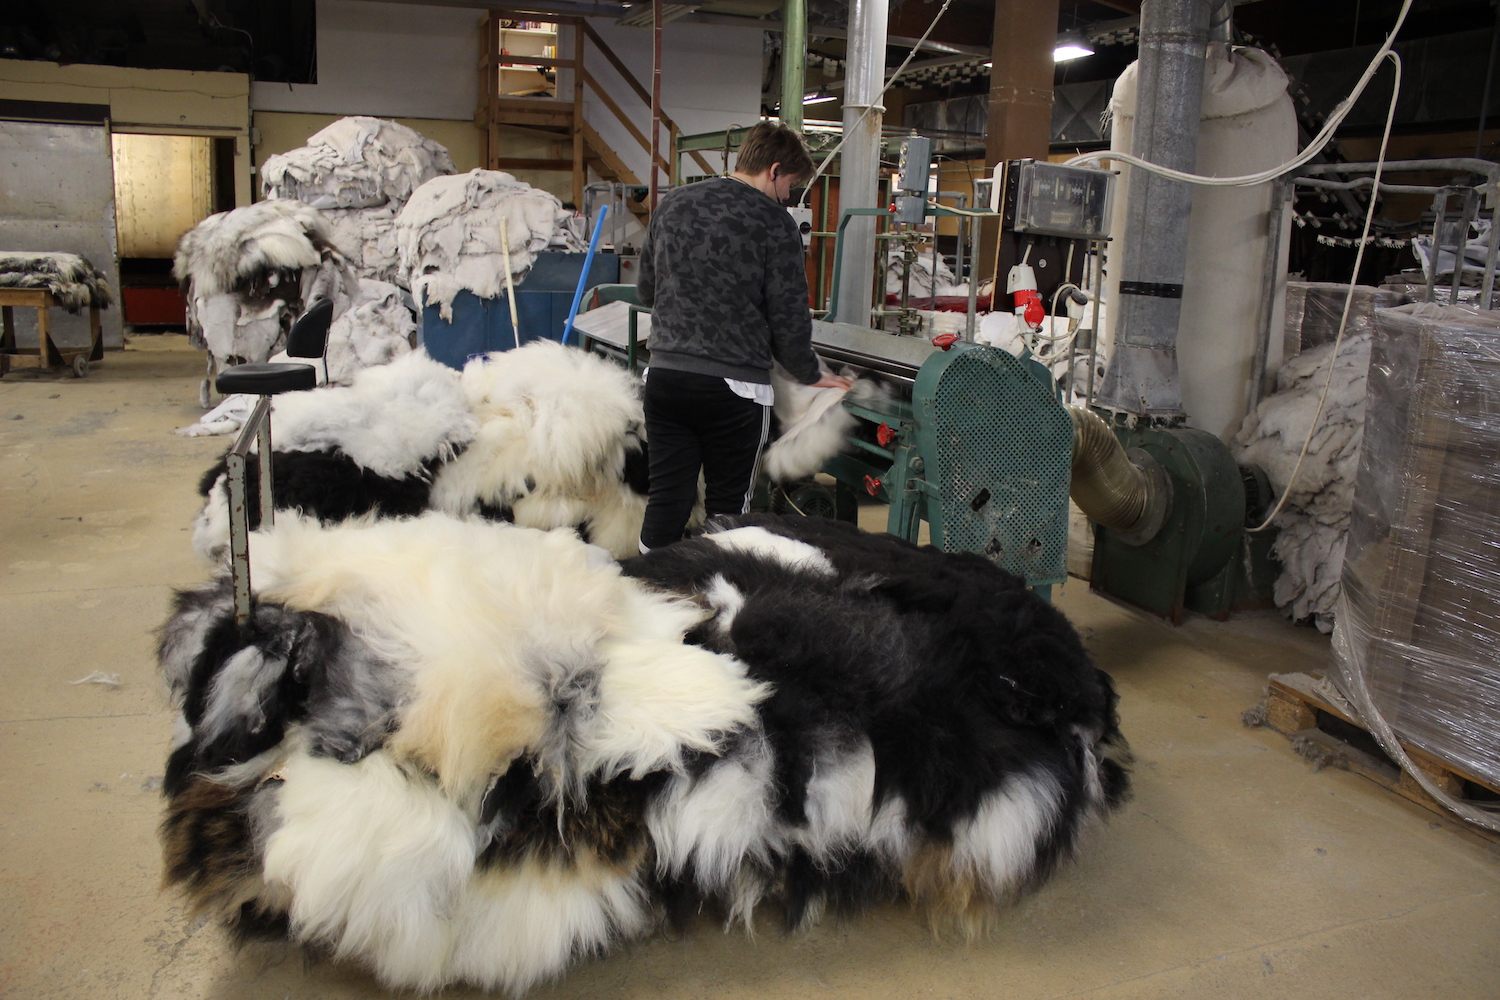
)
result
[(308, 338)]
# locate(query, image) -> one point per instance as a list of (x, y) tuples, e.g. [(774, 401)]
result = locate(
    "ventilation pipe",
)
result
[(1128, 494), (793, 62), (859, 162), (1142, 377)]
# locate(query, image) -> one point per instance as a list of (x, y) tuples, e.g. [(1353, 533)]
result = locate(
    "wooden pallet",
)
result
[(1326, 730)]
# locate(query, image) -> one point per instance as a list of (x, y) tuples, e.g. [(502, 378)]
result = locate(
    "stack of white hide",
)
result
[(359, 172), (448, 235)]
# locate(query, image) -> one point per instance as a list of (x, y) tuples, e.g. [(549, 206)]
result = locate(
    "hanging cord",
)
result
[(1359, 256), (877, 103), (1314, 147)]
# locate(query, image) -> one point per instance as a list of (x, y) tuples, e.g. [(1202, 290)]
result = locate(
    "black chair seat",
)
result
[(264, 378)]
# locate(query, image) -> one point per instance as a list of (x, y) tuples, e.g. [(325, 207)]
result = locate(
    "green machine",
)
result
[(966, 438), (970, 440), (1186, 549)]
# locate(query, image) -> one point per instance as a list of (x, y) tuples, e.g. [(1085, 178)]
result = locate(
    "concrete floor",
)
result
[(1236, 871)]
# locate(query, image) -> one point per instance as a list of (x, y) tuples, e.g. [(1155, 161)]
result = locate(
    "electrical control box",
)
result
[(915, 164), (802, 216), (1049, 199)]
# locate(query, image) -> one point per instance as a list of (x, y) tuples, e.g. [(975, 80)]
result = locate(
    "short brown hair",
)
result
[(766, 144)]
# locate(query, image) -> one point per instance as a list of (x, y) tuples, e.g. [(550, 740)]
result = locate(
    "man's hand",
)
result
[(832, 381)]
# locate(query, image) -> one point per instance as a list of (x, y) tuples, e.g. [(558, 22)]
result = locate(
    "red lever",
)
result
[(943, 341), (872, 485), (884, 435)]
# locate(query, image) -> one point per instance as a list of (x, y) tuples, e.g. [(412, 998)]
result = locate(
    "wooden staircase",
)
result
[(574, 144)]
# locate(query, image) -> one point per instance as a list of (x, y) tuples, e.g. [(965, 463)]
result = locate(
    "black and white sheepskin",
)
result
[(75, 283), (544, 436), (455, 751), (248, 273)]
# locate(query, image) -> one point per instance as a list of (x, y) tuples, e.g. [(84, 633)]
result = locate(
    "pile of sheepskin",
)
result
[(359, 171), (449, 235), (248, 273), (455, 751)]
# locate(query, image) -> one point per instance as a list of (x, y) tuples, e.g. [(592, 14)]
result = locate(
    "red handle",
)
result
[(943, 341), (884, 435), (872, 485)]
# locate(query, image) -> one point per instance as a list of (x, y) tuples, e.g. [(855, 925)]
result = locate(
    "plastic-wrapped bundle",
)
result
[(1313, 309), (448, 234), (1420, 620), (356, 162)]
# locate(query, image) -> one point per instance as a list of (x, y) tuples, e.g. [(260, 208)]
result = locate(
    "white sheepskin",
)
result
[(375, 860), (554, 424), (788, 552), (390, 420), (470, 623)]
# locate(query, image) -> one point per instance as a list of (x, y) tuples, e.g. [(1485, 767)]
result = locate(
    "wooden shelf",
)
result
[(528, 31)]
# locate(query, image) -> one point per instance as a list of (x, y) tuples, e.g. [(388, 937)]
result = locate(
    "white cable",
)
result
[(1359, 256), (1313, 148), (877, 103)]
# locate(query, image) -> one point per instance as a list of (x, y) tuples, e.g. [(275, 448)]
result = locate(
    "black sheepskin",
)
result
[(957, 675), (330, 486)]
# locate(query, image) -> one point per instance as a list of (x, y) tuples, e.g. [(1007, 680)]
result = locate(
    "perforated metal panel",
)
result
[(998, 447)]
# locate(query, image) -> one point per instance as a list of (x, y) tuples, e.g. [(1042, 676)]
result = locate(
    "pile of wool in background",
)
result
[(448, 235), (359, 171), (1314, 524)]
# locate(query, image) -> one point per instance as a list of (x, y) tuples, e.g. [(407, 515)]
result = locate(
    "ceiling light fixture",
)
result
[(818, 98), (1071, 45)]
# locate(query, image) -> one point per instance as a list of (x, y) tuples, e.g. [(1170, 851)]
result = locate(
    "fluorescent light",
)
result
[(1071, 45), (989, 65), (818, 98)]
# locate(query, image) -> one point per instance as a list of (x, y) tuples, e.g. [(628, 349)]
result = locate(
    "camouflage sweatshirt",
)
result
[(721, 267)]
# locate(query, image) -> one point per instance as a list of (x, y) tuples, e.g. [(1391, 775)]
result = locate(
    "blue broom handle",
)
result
[(588, 264)]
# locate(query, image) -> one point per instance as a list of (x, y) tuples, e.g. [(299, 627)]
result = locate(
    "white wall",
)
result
[(710, 79), (387, 59)]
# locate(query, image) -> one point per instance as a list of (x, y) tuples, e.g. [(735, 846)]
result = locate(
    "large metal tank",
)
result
[(1248, 124)]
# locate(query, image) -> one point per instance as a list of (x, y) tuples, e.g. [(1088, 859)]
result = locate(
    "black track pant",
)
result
[(697, 422)]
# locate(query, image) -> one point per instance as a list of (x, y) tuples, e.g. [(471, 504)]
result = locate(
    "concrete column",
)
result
[(859, 162)]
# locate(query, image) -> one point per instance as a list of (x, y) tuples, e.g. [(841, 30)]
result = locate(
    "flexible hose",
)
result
[(1107, 486)]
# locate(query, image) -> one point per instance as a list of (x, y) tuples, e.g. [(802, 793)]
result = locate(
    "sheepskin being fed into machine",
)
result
[(456, 751)]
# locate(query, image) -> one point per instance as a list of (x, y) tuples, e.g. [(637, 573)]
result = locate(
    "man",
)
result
[(722, 266)]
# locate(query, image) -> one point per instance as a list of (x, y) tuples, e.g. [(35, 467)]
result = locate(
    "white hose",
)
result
[(1314, 147)]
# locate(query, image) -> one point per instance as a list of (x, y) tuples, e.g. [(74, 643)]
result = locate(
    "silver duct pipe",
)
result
[(1142, 376), (1113, 490), (859, 162)]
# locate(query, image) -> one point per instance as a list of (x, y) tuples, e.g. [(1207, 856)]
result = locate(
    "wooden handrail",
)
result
[(637, 86), (609, 102)]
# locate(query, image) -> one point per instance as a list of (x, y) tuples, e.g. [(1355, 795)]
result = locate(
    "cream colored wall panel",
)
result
[(163, 187)]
